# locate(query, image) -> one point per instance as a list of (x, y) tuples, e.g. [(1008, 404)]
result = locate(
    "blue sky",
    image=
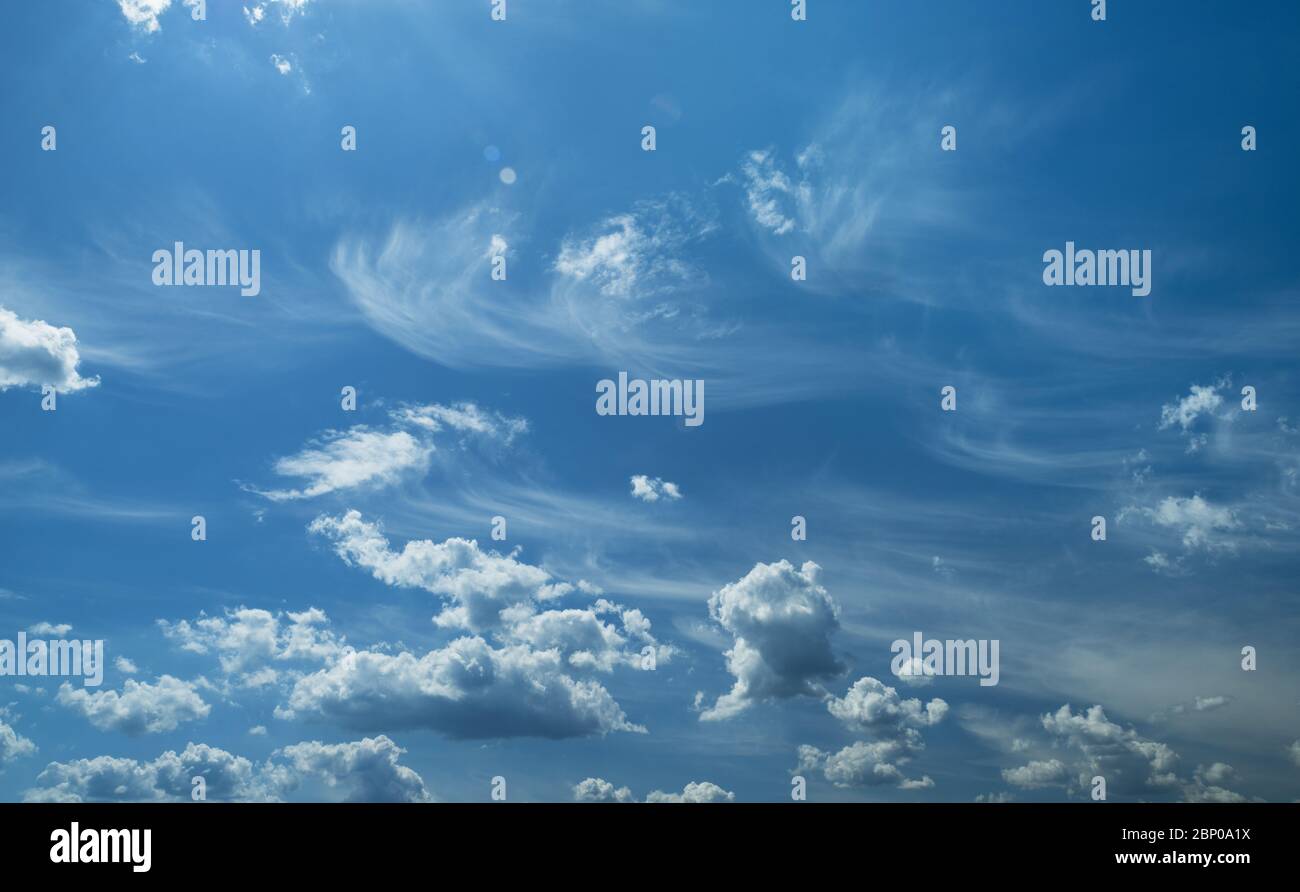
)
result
[(350, 630)]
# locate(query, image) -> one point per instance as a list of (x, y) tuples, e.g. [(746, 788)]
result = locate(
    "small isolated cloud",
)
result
[(34, 353), (346, 459), (125, 666), (141, 708), (282, 65), (652, 489), (44, 629), (782, 620), (1183, 413), (1196, 520)]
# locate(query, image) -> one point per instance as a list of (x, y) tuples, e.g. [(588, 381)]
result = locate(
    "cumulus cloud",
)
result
[(782, 620), (141, 708), (57, 630), (480, 584), (35, 353), (466, 690), (652, 489), (595, 789), (365, 770), (695, 791), (1037, 774), (1200, 402), (250, 642), (282, 65), (894, 725), (143, 14), (1200, 524), (13, 744)]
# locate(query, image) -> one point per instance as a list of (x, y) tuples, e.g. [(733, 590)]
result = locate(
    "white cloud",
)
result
[(282, 65), (652, 489), (872, 706), (347, 459), (462, 418), (1199, 523), (894, 724), (770, 192), (248, 642), (125, 666), (57, 630), (636, 253), (595, 789), (695, 791), (33, 354), (466, 690), (782, 619), (365, 770), (479, 583), (141, 708), (1037, 774), (144, 14), (1201, 401), (13, 745)]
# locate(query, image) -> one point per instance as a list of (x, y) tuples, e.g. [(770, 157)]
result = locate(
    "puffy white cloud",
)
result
[(872, 706), (479, 583), (1201, 524), (125, 666), (468, 689), (1110, 749), (695, 791), (57, 630), (652, 489), (866, 763), (893, 723), (365, 770), (1201, 401), (247, 641), (13, 744), (346, 459), (595, 789), (1037, 774), (33, 354), (141, 708), (282, 65), (782, 619), (144, 14)]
